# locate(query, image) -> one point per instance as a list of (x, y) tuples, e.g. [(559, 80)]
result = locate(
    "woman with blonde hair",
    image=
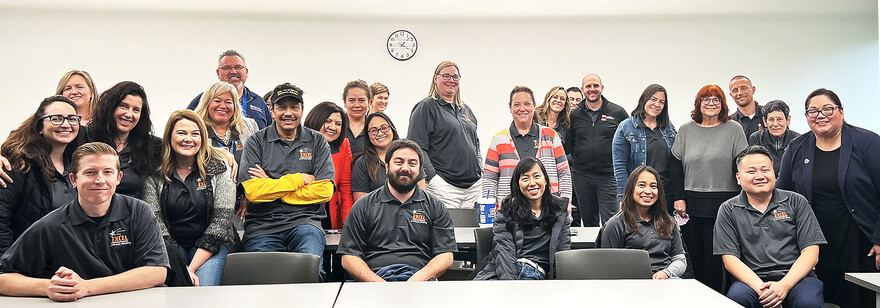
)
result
[(554, 112), (227, 126), (78, 86), (193, 197), (378, 97)]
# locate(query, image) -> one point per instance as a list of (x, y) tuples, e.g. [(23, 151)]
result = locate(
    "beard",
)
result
[(401, 185)]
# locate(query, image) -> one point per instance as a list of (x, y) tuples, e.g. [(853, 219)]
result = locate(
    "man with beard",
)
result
[(232, 69), (593, 124), (287, 175), (748, 112), (398, 232)]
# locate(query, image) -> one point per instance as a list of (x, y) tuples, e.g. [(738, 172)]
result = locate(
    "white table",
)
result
[(870, 281), (279, 295), (464, 237), (551, 293)]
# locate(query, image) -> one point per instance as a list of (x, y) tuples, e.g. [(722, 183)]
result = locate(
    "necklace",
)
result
[(224, 136)]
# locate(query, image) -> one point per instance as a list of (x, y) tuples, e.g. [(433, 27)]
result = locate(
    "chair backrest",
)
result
[(483, 239), (603, 263), (464, 217), (270, 268)]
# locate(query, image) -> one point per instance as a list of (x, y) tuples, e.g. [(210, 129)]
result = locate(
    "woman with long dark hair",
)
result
[(530, 227), (330, 120), (39, 151), (122, 120), (193, 196), (369, 171), (643, 223)]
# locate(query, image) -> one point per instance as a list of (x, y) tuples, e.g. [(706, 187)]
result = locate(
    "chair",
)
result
[(483, 238), (270, 268), (603, 263), (464, 217)]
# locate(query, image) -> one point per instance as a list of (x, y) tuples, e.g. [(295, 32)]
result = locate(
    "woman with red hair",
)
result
[(706, 148)]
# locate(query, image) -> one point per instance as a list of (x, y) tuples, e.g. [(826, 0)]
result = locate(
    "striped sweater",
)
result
[(502, 158)]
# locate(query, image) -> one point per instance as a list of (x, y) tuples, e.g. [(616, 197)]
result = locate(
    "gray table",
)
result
[(464, 237), (870, 281), (550, 293), (280, 295)]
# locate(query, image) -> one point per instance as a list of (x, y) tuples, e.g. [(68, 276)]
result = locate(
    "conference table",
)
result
[(583, 237), (550, 293), (869, 281), (317, 295)]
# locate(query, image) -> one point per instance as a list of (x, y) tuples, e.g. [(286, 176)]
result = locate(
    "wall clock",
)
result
[(402, 45)]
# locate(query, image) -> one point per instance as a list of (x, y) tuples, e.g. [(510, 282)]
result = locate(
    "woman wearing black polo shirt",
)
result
[(39, 151), (193, 198), (368, 173), (530, 227), (643, 223), (122, 120)]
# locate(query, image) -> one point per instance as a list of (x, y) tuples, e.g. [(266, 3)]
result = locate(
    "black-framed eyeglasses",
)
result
[(814, 113), (385, 129), (446, 77), (228, 68), (710, 100), (57, 119)]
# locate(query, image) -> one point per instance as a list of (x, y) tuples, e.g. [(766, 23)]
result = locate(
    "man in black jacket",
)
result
[(593, 124)]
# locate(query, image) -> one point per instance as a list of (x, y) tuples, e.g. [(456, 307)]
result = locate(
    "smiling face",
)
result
[(186, 138), (447, 87), (380, 102), (592, 87), (59, 135), (522, 108), (77, 90), (574, 97), (232, 69), (96, 178), (824, 125), (332, 127), (557, 101), (532, 183), (710, 107), (742, 91), (287, 114), (654, 106), (221, 108), (403, 170), (646, 192), (380, 132), (755, 174), (128, 113), (356, 103), (776, 123)]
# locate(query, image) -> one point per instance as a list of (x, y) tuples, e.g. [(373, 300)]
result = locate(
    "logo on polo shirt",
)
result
[(305, 154), (780, 214), (119, 237), (419, 216), (201, 185)]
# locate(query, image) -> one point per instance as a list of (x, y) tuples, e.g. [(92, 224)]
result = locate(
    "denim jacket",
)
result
[(628, 148)]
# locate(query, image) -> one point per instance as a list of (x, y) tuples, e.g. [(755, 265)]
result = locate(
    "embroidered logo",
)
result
[(305, 154), (201, 185), (238, 147), (604, 118), (537, 144), (780, 214), (119, 237), (419, 216)]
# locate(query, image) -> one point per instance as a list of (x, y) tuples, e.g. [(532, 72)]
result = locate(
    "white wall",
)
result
[(174, 57)]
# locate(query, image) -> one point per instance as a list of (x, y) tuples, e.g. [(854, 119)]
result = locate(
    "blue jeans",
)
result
[(212, 270), (806, 293), (303, 238), (525, 271)]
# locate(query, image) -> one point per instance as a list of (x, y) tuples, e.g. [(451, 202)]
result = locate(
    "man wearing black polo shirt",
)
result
[(748, 112), (398, 232), (593, 124), (768, 239), (287, 174), (98, 243)]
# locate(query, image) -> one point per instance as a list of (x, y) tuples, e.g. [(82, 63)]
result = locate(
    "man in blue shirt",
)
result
[(231, 68)]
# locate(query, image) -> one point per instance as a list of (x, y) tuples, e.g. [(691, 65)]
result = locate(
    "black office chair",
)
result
[(270, 268), (483, 240), (603, 263), (464, 217)]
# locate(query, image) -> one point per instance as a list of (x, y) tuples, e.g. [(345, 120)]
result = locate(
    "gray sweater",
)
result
[(707, 155)]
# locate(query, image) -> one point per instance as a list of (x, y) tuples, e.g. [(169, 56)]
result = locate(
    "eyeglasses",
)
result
[(446, 77), (711, 100), (57, 119), (385, 129), (228, 68), (814, 113)]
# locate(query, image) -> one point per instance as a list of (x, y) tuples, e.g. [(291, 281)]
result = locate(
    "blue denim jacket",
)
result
[(628, 148)]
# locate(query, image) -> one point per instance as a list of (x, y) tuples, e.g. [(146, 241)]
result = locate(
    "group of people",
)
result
[(684, 194)]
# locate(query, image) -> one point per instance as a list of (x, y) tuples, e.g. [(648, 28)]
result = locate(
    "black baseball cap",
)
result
[(286, 90)]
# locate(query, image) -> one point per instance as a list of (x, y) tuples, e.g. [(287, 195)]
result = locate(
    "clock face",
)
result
[(402, 45)]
